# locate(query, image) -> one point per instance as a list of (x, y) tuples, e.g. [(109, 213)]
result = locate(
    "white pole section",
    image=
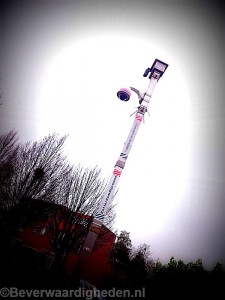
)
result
[(119, 166)]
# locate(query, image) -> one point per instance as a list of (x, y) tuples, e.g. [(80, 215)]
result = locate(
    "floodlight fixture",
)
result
[(157, 69)]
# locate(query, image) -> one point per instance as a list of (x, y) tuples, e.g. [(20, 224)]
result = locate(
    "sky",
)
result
[(62, 63)]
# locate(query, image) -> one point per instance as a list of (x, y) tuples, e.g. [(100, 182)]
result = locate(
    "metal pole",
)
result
[(157, 71)]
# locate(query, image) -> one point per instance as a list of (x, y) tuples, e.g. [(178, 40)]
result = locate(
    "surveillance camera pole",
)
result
[(156, 71)]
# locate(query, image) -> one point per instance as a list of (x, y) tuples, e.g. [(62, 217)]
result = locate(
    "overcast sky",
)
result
[(62, 63)]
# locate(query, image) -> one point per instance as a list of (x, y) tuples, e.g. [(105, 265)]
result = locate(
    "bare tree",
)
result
[(8, 154), (39, 169), (8, 151), (44, 186), (7, 145), (77, 203)]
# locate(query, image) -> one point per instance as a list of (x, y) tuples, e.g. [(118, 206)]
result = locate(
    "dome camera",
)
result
[(124, 94)]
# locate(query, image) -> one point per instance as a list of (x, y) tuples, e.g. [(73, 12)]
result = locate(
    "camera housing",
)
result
[(124, 94)]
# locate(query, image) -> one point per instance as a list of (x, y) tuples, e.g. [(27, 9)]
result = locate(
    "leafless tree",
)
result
[(41, 166), (39, 169), (77, 203), (8, 154), (8, 151), (43, 179)]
